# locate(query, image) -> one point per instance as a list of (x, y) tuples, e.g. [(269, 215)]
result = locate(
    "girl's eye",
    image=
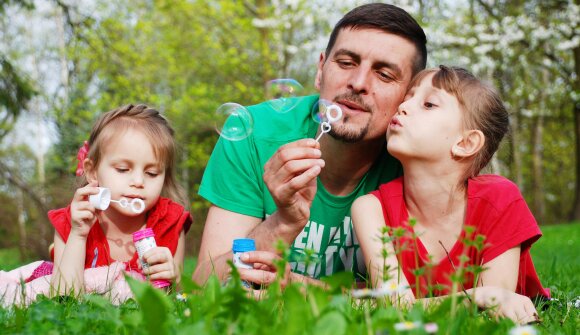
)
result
[(429, 104), (152, 174), (121, 170)]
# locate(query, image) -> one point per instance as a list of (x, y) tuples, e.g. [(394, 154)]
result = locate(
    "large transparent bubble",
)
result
[(233, 122), (281, 93), (326, 111)]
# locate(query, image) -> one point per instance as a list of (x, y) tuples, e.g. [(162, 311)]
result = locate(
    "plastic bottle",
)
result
[(144, 240), (240, 246)]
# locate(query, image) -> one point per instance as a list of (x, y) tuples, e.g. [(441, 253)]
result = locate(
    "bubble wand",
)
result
[(102, 200), (325, 126)]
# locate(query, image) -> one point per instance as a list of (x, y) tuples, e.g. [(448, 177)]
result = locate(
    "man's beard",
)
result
[(342, 132)]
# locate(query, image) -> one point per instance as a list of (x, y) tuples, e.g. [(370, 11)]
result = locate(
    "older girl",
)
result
[(444, 133)]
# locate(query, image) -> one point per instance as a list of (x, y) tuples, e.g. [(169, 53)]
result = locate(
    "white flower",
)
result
[(386, 289), (407, 325), (187, 312), (181, 297), (523, 330), (431, 328)]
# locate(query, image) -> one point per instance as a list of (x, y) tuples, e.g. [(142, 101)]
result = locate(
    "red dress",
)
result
[(495, 210), (166, 218)]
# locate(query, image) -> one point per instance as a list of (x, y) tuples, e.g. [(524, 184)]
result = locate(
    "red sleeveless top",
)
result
[(495, 209), (166, 218)]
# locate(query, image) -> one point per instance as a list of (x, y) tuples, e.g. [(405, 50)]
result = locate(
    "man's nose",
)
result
[(359, 80)]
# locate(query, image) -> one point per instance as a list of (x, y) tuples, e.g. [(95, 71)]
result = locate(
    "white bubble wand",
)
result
[(102, 200), (325, 126)]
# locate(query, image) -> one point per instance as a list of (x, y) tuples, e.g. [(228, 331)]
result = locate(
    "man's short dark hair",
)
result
[(390, 19)]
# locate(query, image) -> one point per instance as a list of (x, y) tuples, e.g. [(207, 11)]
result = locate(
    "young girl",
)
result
[(446, 130), (131, 151)]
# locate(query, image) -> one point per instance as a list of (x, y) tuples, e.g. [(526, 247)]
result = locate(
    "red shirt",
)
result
[(495, 210), (166, 218)]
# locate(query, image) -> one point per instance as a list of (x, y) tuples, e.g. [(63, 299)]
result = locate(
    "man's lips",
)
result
[(353, 106)]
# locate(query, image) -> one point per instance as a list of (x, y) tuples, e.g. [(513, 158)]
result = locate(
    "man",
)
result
[(280, 184)]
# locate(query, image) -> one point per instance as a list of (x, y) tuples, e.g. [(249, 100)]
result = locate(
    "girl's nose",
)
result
[(402, 110), (137, 179)]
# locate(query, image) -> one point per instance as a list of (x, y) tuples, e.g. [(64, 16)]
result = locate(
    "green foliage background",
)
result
[(186, 58)]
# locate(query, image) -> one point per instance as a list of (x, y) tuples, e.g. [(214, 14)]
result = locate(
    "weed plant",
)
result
[(228, 309)]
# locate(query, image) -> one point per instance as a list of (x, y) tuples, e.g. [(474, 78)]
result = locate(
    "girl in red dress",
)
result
[(131, 151), (444, 133)]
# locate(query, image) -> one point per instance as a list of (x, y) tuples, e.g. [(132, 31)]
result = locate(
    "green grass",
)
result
[(226, 310), (557, 259)]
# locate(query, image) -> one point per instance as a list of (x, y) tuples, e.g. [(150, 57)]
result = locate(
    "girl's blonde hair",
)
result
[(154, 126), (481, 104)]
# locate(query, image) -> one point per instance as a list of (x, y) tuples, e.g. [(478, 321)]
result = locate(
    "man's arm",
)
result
[(290, 175), (222, 227)]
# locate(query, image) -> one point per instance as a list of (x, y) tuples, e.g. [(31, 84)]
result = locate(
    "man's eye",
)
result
[(345, 63), (385, 76)]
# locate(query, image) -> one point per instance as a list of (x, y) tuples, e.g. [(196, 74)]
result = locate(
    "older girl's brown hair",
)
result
[(481, 104), (155, 127)]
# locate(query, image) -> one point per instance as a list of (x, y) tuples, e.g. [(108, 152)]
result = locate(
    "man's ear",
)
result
[(90, 170), (469, 145), (318, 78)]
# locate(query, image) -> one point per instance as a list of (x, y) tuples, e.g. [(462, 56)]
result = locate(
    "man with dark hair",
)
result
[(281, 184)]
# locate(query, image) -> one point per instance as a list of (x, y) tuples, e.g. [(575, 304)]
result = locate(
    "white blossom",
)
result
[(523, 330)]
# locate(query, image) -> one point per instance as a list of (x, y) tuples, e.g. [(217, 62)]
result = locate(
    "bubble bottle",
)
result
[(144, 241), (240, 246)]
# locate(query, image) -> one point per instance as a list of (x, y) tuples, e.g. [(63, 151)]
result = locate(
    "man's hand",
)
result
[(265, 270), (290, 175)]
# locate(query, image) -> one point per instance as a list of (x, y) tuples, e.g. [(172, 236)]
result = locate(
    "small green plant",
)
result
[(216, 308)]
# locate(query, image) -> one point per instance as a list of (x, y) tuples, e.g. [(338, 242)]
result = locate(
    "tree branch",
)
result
[(17, 181)]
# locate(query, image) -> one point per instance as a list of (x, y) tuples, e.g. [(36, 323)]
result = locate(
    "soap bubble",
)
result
[(281, 93), (233, 121), (326, 111)]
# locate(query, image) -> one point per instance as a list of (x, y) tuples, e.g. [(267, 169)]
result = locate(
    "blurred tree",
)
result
[(186, 59), (525, 49)]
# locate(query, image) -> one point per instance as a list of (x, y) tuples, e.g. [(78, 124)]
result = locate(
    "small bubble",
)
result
[(233, 121), (281, 94)]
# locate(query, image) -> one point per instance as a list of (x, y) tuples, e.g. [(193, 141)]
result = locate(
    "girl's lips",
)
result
[(395, 122), (133, 197)]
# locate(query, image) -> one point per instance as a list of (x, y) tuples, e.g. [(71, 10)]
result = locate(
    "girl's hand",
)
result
[(82, 212), (161, 264), (504, 303)]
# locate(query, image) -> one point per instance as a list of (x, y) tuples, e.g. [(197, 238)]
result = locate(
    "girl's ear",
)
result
[(469, 145), (90, 170)]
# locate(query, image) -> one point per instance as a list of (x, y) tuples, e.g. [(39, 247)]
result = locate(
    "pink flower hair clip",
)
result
[(81, 156)]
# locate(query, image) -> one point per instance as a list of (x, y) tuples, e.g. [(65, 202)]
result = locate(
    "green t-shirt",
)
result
[(233, 180)]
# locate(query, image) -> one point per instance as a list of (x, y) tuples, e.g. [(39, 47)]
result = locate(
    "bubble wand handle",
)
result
[(324, 128)]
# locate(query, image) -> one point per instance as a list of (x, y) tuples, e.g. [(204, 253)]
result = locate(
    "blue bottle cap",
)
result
[(243, 245)]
